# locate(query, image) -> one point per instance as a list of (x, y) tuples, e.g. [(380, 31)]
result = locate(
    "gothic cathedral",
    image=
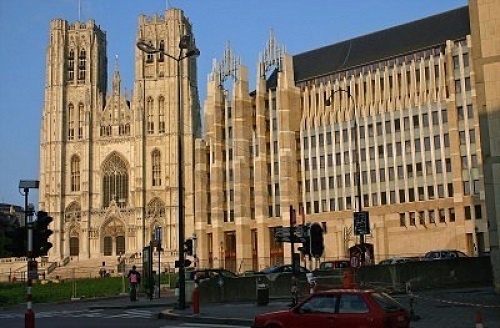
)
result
[(109, 161)]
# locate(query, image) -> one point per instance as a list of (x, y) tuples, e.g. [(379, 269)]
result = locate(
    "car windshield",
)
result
[(387, 303)]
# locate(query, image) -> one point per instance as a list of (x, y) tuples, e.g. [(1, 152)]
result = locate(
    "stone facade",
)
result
[(398, 136), (108, 166)]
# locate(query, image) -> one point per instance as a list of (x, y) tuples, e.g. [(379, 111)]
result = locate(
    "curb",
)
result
[(131, 306), (192, 318)]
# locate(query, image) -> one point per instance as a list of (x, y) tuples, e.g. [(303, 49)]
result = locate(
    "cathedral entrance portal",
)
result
[(113, 238)]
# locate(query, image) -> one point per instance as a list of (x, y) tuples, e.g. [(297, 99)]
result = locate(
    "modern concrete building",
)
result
[(108, 162), (401, 104)]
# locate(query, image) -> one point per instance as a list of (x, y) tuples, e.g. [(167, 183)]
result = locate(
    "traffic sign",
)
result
[(355, 262), (361, 223)]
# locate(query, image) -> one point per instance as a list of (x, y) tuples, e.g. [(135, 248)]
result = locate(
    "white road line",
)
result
[(202, 325)]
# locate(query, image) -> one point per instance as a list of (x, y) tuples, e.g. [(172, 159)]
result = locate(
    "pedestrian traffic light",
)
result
[(16, 244), (41, 234), (316, 238), (188, 247)]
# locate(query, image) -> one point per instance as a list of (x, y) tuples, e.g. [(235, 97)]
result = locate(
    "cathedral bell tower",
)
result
[(75, 87)]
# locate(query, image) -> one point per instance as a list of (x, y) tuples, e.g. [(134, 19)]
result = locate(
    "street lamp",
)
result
[(185, 51), (359, 216), (31, 272)]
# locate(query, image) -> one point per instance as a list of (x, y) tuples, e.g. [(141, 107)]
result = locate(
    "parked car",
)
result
[(336, 264), (444, 254), (209, 273), (284, 268), (395, 260), (340, 308)]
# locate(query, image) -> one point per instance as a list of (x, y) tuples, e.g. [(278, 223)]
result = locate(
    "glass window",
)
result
[(472, 136), (432, 216), (470, 111), (427, 143), (352, 303), (468, 213), (437, 142), (460, 112), (462, 137), (425, 119), (319, 304), (478, 212), (439, 166)]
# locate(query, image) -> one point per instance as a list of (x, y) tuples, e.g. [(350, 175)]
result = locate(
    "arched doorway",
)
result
[(74, 246), (108, 246), (113, 242), (120, 245)]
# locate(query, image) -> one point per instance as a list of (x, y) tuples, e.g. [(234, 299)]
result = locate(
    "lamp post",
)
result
[(185, 51), (359, 213), (26, 185)]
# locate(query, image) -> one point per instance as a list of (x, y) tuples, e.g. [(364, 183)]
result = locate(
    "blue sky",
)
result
[(299, 25)]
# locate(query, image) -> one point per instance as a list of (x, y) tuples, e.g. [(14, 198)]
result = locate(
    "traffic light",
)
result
[(41, 234), (188, 247), (17, 243), (316, 238)]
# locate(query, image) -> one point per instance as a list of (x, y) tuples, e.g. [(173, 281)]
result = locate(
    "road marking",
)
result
[(201, 325)]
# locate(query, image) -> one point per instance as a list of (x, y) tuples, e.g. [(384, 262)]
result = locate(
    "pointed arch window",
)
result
[(161, 104), (75, 173), (150, 108), (82, 62), (156, 208), (71, 122), (156, 168), (71, 65), (81, 118), (115, 181)]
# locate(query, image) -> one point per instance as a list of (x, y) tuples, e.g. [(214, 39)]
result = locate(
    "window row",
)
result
[(441, 215), (377, 129), (382, 198)]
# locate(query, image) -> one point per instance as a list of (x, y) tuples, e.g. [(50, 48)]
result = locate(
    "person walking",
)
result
[(135, 279)]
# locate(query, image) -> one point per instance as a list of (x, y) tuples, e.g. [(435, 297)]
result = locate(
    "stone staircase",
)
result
[(84, 268)]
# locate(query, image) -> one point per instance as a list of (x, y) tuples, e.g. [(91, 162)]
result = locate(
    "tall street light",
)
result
[(185, 51), (31, 272), (361, 220)]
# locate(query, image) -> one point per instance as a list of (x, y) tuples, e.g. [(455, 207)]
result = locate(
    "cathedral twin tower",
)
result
[(109, 164)]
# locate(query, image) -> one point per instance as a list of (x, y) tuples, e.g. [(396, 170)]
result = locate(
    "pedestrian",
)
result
[(135, 279)]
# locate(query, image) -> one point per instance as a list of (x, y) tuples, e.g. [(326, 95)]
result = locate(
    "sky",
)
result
[(298, 25)]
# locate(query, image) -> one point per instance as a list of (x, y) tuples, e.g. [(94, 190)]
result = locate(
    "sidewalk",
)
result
[(436, 308)]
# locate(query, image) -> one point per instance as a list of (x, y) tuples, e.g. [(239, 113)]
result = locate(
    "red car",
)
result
[(339, 308)]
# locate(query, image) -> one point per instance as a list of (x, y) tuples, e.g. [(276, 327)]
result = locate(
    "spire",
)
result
[(116, 77)]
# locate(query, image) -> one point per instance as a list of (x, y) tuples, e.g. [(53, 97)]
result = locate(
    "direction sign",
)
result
[(282, 234)]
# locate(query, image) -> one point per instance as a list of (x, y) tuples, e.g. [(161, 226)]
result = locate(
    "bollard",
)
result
[(348, 281), (196, 296), (479, 319), (294, 291), (413, 316)]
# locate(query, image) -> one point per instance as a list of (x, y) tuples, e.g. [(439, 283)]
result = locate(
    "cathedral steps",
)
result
[(86, 268)]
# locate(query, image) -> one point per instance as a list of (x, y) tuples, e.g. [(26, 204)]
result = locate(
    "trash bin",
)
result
[(262, 293)]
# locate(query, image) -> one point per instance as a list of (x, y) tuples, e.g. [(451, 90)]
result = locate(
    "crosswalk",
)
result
[(132, 313), (201, 325)]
